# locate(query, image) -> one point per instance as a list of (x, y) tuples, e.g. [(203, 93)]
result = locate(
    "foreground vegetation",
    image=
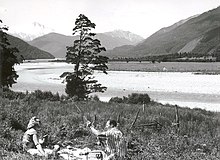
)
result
[(64, 121)]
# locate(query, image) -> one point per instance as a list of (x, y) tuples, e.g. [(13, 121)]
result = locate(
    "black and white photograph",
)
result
[(109, 80)]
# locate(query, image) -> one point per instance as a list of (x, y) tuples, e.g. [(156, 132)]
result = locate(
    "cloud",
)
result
[(3, 10), (142, 17)]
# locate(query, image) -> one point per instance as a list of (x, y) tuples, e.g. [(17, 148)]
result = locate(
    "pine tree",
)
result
[(85, 55)]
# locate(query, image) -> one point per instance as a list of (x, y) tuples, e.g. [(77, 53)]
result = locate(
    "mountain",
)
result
[(31, 31), (199, 34), (175, 25), (130, 38), (55, 43), (28, 51), (118, 51)]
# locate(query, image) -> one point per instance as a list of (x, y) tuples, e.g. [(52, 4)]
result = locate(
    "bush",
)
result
[(46, 95), (116, 100), (134, 98), (94, 98), (37, 94), (7, 93)]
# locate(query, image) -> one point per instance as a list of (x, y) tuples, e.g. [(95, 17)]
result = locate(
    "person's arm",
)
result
[(41, 141), (38, 145), (95, 131)]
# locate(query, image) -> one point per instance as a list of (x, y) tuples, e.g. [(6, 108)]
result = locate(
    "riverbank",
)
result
[(148, 66), (201, 67)]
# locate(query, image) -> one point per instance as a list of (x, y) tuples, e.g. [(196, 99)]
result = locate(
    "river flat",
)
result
[(173, 86)]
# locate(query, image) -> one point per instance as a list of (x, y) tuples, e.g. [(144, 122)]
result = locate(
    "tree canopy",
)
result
[(8, 59), (85, 55)]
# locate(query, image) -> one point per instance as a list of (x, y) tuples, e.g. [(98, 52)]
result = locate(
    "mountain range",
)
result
[(56, 43), (199, 34)]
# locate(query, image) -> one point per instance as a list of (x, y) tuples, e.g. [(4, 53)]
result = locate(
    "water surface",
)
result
[(181, 88)]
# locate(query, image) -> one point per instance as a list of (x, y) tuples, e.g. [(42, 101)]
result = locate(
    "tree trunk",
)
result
[(1, 69)]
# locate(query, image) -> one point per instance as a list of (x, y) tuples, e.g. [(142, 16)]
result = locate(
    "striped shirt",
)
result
[(115, 142)]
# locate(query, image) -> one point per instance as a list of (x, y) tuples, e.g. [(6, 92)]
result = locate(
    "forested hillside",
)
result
[(28, 51), (197, 35)]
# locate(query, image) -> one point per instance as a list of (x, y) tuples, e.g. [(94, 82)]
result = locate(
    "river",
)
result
[(185, 89)]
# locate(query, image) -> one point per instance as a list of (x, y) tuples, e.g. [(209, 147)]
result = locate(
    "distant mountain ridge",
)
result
[(56, 43), (28, 51), (134, 38), (175, 25), (32, 31), (199, 34)]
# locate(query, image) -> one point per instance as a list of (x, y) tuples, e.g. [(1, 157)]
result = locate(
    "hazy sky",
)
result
[(142, 17)]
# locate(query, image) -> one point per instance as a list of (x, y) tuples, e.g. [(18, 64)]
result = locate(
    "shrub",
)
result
[(45, 95), (116, 100), (94, 98), (7, 93), (134, 98), (37, 94)]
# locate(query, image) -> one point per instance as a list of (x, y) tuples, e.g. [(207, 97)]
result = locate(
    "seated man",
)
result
[(115, 144)]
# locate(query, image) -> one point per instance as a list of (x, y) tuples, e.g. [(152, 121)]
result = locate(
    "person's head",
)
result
[(33, 123), (111, 124)]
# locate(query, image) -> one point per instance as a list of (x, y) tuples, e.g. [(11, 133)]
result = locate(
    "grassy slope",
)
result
[(198, 137)]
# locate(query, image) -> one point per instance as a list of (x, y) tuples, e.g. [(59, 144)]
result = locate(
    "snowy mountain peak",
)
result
[(126, 35), (31, 31)]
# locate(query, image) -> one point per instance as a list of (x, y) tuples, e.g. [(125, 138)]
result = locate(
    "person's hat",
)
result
[(33, 122)]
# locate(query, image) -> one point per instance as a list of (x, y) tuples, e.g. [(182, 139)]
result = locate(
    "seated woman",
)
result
[(30, 141)]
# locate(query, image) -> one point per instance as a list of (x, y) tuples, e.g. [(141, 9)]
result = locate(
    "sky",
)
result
[(142, 17)]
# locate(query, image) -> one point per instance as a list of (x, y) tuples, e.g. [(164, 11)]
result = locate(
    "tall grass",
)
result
[(64, 120)]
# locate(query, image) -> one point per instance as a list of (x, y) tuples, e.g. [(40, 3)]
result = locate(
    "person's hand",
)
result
[(41, 141), (46, 155), (45, 136), (88, 124), (56, 147)]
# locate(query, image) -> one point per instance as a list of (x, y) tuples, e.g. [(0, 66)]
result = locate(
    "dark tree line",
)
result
[(8, 59), (175, 57)]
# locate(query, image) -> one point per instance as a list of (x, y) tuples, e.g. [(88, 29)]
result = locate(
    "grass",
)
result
[(196, 138), (170, 66)]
